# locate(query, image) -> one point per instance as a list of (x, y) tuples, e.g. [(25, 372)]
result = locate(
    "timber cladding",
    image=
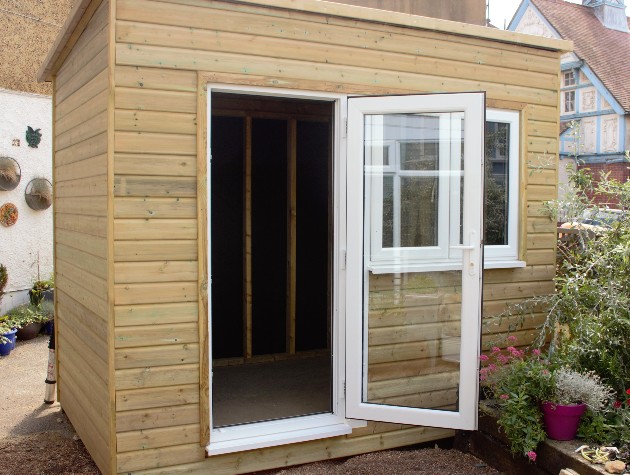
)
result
[(130, 202)]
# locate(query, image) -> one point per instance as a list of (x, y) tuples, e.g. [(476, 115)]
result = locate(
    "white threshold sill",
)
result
[(377, 268), (285, 431), (503, 264)]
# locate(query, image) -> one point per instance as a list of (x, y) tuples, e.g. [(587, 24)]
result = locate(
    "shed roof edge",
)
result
[(67, 37), (64, 39)]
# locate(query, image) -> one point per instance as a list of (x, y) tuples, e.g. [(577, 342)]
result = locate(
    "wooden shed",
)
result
[(268, 225)]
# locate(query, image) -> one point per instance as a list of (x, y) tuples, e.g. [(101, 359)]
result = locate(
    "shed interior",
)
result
[(271, 257)]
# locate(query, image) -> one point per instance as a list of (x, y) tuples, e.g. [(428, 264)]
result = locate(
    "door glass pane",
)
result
[(413, 337), (412, 323)]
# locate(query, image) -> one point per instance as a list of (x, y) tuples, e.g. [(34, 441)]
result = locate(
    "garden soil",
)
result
[(38, 439)]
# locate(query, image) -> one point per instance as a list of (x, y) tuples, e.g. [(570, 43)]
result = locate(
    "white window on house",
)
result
[(569, 101), (569, 78), (501, 188)]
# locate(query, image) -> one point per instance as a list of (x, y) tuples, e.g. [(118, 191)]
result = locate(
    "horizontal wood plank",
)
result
[(155, 208), (155, 314), (160, 292), (156, 271), (155, 335), (169, 416), (157, 376), (184, 354)]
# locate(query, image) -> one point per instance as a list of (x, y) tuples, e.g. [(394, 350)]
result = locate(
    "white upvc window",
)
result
[(501, 189)]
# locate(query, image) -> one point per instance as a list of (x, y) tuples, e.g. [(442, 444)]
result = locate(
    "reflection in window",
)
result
[(414, 173), (496, 183)]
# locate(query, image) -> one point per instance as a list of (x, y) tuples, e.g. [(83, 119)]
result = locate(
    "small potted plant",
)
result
[(40, 290), (573, 392), (7, 336), (28, 319)]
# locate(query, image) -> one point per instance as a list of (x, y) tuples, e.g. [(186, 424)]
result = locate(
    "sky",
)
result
[(503, 10)]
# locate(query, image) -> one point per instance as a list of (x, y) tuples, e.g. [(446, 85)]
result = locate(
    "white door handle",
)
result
[(472, 247)]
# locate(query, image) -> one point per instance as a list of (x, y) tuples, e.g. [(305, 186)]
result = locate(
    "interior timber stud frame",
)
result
[(131, 197)]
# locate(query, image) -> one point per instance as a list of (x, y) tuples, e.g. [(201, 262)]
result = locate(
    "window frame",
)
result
[(507, 255), (568, 78)]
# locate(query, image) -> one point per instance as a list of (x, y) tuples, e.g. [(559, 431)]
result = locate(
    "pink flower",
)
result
[(536, 352), (511, 349), (496, 349), (492, 367), (531, 455), (483, 357), (504, 396), (545, 372), (503, 359), (511, 338)]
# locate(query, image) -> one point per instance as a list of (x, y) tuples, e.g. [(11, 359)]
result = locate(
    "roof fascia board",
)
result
[(588, 72), (70, 32), (414, 21), (76, 21)]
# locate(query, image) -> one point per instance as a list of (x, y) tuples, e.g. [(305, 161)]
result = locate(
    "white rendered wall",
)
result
[(30, 240)]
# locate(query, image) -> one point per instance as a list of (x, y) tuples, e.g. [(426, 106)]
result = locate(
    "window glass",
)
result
[(569, 78), (496, 183), (569, 101)]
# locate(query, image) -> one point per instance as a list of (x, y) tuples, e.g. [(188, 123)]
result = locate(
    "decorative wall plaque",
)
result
[(38, 194), (10, 174), (8, 214), (33, 137)]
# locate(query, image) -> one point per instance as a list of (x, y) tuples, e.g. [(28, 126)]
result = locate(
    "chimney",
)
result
[(611, 13)]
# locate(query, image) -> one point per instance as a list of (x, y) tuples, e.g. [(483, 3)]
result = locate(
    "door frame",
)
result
[(302, 428)]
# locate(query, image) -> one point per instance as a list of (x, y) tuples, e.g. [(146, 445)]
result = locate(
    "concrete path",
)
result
[(22, 387)]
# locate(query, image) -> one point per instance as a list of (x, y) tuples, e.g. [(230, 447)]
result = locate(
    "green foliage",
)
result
[(36, 294), (592, 300), (518, 382), (521, 421), (4, 279), (24, 314)]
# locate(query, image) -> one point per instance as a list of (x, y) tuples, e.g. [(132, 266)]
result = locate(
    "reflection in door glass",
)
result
[(413, 200)]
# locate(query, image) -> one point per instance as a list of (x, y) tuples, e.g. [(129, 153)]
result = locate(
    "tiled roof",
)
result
[(605, 51)]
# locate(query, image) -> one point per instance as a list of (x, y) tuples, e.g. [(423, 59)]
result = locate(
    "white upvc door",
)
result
[(414, 254)]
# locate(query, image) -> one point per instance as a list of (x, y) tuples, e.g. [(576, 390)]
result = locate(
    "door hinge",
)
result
[(345, 128), (344, 259), (344, 389)]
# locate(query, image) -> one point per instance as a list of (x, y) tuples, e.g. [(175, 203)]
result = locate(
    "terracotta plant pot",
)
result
[(30, 331), (561, 422)]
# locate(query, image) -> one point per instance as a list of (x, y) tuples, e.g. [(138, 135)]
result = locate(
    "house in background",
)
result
[(28, 29), (267, 238), (595, 85)]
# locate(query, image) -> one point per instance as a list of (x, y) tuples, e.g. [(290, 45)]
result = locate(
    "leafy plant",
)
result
[(518, 381), (24, 314), (573, 387), (4, 280)]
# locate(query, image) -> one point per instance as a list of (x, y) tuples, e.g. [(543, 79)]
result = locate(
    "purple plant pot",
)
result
[(561, 422)]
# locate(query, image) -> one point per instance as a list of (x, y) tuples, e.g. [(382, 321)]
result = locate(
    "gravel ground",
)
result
[(38, 439)]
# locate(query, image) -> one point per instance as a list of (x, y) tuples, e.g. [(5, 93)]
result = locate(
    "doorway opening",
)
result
[(271, 257)]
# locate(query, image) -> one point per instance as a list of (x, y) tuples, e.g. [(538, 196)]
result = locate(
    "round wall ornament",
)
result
[(8, 214), (10, 174), (38, 194)]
